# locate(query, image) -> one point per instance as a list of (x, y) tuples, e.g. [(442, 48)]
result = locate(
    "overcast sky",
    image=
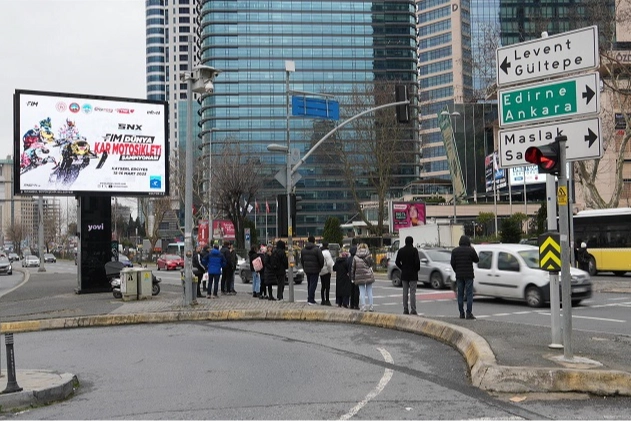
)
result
[(77, 46)]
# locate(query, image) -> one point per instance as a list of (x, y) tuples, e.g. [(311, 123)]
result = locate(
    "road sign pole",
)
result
[(555, 304), (566, 279)]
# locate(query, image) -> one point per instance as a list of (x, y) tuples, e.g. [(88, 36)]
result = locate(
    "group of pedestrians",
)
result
[(214, 267), (354, 274)]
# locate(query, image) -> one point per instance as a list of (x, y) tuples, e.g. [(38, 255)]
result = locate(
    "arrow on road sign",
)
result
[(575, 96), (584, 140)]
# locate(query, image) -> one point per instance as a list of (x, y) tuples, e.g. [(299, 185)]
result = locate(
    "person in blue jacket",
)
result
[(214, 262)]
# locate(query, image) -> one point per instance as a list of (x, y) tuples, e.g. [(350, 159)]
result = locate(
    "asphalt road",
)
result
[(267, 370)]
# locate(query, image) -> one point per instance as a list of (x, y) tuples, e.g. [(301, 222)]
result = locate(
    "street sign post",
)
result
[(559, 99), (557, 55), (584, 140)]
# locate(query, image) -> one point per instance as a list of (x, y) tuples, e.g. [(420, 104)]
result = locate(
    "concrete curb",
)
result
[(51, 387), (486, 374)]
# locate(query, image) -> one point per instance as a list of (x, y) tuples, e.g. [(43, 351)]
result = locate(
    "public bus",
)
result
[(607, 233)]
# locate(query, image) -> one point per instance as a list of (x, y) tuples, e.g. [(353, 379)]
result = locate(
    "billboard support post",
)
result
[(40, 240)]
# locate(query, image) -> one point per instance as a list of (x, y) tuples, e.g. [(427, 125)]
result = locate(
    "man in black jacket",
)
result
[(462, 259), (312, 262), (409, 262)]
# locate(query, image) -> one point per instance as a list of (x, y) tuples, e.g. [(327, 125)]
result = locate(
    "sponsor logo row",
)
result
[(76, 108)]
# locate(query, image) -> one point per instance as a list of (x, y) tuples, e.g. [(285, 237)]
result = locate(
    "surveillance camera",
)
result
[(210, 88)]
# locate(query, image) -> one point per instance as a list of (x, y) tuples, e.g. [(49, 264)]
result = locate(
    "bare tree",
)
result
[(616, 77), (51, 228), (15, 231), (154, 211), (178, 183), (373, 148), (484, 60), (236, 178)]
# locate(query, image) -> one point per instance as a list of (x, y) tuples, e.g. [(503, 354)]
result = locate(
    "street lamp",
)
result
[(198, 80), (453, 181)]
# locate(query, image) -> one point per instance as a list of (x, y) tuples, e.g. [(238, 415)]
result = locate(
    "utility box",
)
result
[(145, 284), (129, 284)]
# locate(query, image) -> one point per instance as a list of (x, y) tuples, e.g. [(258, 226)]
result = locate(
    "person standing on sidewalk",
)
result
[(325, 274), (409, 262), (462, 259), (198, 269), (227, 275), (343, 285), (312, 262), (269, 274), (280, 264), (363, 276), (214, 262), (253, 255), (354, 287)]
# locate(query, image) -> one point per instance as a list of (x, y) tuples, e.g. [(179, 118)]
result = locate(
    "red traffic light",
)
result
[(546, 157)]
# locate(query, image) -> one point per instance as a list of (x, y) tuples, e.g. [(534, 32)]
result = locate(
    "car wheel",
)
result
[(576, 302), (158, 268), (436, 280), (297, 282), (534, 298), (10, 273), (396, 278), (242, 275), (619, 272), (592, 266)]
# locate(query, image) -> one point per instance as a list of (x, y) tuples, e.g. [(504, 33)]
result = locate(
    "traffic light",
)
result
[(403, 111), (281, 214), (295, 206), (546, 157)]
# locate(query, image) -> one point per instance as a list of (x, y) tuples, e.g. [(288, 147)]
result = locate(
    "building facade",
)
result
[(337, 47)]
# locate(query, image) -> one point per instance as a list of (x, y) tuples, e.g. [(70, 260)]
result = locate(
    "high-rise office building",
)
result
[(337, 46)]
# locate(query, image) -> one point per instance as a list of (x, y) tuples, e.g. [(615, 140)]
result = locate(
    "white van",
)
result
[(175, 248)]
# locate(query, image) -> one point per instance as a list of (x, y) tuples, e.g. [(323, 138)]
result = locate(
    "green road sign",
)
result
[(551, 100)]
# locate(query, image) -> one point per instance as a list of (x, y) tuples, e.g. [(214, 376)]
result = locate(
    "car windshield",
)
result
[(48, 255), (531, 257), (439, 255), (4, 259)]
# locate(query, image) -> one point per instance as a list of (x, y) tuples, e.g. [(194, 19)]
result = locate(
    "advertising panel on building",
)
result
[(72, 144), (493, 173), (532, 176), (407, 214)]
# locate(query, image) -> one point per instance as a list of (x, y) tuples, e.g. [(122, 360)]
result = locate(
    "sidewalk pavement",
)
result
[(502, 357)]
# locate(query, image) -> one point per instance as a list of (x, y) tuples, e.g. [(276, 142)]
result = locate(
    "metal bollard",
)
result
[(12, 384)]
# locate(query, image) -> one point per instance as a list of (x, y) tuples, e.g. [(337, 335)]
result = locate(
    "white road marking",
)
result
[(387, 375), (602, 319)]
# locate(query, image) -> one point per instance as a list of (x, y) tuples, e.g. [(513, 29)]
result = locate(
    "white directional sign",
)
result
[(558, 99), (557, 55), (584, 141)]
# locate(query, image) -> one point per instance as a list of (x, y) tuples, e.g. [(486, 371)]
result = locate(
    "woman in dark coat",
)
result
[(343, 286), (269, 276)]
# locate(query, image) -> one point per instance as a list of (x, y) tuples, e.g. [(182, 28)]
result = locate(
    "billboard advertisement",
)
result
[(71, 144), (532, 176), (451, 151), (223, 229), (407, 214), (493, 173)]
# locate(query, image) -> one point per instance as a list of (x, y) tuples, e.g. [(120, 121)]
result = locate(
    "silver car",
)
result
[(30, 260), (5, 265), (435, 269)]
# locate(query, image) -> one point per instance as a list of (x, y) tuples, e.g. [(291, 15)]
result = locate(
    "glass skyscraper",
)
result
[(337, 46)]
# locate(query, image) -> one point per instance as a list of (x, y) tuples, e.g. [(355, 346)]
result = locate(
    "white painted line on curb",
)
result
[(387, 375)]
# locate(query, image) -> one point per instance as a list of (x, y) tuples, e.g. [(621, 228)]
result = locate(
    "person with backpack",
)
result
[(312, 262)]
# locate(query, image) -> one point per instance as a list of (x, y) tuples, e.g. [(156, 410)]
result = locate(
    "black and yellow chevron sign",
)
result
[(550, 251)]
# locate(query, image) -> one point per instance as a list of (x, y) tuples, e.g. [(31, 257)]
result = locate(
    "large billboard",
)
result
[(72, 144), (533, 176), (407, 214)]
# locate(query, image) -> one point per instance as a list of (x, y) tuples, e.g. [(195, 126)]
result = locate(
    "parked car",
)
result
[(125, 260), (170, 262), (13, 257), (435, 269), (512, 271), (30, 260), (244, 272), (49, 258), (5, 265)]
